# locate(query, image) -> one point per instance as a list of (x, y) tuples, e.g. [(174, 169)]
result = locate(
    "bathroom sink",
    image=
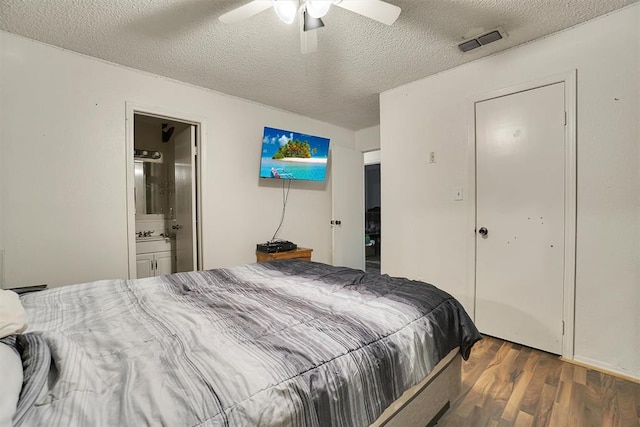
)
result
[(150, 244), (149, 238)]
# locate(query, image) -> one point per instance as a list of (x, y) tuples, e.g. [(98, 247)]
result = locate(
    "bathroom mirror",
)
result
[(150, 187)]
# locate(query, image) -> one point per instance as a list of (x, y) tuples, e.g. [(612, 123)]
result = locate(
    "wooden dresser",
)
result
[(300, 253)]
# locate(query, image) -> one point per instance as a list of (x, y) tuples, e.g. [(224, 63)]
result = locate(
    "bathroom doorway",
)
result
[(372, 204), (163, 165)]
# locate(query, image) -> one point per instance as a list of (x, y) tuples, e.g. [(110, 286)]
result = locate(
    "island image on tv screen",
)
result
[(292, 155)]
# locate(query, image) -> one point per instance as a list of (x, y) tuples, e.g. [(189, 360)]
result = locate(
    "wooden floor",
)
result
[(506, 384)]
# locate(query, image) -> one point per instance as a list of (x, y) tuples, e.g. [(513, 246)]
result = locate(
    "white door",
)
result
[(185, 227), (347, 187), (520, 204)]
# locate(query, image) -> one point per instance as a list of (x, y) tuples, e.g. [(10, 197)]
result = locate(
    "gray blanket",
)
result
[(286, 343)]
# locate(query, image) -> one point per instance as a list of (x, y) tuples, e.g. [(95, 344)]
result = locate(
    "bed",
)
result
[(282, 343)]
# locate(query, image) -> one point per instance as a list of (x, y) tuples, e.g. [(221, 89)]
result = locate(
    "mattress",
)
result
[(273, 344)]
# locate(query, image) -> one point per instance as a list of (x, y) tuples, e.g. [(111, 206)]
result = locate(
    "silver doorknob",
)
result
[(483, 231)]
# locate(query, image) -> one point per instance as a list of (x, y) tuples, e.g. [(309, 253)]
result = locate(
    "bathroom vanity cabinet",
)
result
[(155, 264), (155, 257)]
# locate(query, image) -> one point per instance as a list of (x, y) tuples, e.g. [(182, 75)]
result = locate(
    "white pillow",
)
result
[(11, 374), (13, 318)]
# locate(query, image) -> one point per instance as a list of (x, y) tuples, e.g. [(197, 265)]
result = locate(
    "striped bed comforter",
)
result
[(285, 343)]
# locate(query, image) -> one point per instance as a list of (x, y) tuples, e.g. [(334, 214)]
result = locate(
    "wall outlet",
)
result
[(432, 157), (458, 194)]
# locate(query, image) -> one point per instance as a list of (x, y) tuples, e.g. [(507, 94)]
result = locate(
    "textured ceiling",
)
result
[(260, 60)]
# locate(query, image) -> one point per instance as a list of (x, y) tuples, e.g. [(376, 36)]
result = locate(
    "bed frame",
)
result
[(427, 401)]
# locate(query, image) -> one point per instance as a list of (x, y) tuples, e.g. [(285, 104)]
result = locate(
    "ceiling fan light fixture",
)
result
[(318, 8), (286, 10)]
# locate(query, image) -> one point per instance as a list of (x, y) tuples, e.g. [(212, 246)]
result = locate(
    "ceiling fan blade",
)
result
[(377, 10), (247, 11)]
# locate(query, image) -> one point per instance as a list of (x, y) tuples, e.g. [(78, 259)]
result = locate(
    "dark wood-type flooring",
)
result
[(506, 384)]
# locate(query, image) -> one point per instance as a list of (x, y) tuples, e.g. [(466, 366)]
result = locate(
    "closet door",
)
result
[(520, 146), (347, 189)]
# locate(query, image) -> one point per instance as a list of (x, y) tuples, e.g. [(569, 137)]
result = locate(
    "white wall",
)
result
[(368, 139), (1, 196), (372, 157), (426, 232), (62, 177)]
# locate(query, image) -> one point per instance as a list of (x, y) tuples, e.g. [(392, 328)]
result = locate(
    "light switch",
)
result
[(458, 194), (432, 157)]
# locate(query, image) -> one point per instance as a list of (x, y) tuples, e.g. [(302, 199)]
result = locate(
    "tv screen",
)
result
[(292, 155)]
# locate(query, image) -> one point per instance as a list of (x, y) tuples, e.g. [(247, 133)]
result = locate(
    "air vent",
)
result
[(469, 45), (482, 40)]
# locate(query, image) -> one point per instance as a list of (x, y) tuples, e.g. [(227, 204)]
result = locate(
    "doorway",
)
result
[(372, 206), (524, 244), (163, 170)]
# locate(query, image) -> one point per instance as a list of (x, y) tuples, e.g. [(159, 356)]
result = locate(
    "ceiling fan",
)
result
[(310, 12)]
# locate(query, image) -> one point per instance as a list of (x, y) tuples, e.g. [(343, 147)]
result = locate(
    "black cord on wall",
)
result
[(285, 197)]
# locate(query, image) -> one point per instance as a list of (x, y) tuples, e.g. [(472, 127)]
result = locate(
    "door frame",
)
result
[(201, 132), (370, 157), (569, 78)]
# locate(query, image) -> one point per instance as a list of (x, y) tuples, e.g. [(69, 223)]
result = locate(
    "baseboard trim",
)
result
[(588, 364)]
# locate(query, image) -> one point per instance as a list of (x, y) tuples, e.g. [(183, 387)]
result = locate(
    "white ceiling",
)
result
[(260, 60)]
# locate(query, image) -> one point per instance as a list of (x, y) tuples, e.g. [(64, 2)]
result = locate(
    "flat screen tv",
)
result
[(292, 155)]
